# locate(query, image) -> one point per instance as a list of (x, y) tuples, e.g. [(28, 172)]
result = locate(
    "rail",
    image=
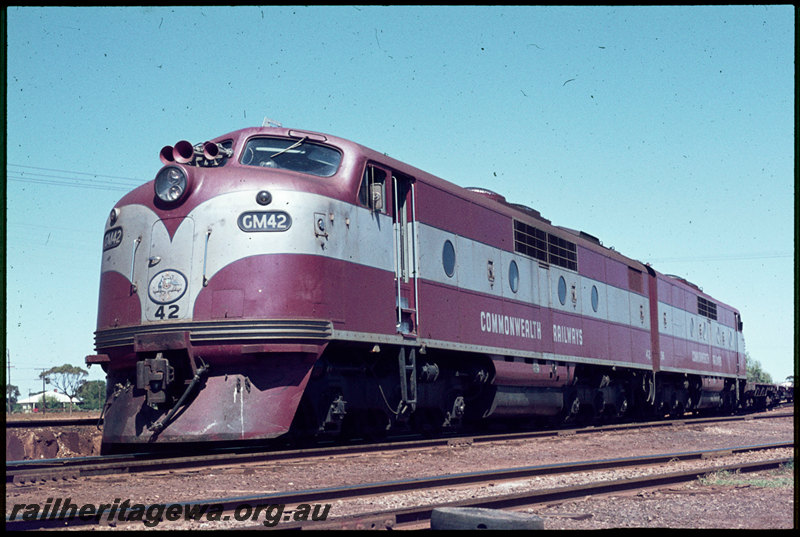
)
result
[(44, 470), (415, 515)]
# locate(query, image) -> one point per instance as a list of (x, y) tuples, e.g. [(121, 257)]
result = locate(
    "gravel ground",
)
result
[(747, 504), (744, 502)]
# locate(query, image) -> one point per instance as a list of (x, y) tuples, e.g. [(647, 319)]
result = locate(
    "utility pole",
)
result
[(44, 379), (8, 381)]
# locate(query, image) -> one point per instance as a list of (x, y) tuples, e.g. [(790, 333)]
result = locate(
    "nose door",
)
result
[(169, 267)]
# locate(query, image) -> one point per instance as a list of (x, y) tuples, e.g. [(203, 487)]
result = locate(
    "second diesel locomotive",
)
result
[(274, 281)]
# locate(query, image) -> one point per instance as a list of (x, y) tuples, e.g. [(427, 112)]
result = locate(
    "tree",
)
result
[(12, 394), (49, 402), (67, 378), (92, 394), (754, 371)]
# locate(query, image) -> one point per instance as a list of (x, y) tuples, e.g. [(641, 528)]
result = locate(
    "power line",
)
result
[(94, 181), (724, 257), (77, 185), (138, 181)]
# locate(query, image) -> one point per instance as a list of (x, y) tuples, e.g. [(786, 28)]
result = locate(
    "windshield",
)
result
[(290, 154)]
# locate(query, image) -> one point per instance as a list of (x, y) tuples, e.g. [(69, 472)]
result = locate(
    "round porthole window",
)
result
[(513, 276), (449, 259), (595, 298), (562, 290)]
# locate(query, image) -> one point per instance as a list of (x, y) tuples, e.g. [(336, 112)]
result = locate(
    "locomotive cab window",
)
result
[(372, 192), (291, 154)]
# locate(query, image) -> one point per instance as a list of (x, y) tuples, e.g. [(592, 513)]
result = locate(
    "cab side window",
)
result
[(372, 193)]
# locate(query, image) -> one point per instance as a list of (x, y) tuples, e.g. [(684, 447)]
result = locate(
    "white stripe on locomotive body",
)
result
[(685, 326), (227, 243), (368, 240), (538, 285)]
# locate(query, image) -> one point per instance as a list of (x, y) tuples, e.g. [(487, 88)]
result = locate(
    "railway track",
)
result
[(54, 422), (23, 473), (97, 422), (231, 509), (418, 517)]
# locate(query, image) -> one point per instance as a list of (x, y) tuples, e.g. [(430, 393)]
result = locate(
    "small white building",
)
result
[(33, 403)]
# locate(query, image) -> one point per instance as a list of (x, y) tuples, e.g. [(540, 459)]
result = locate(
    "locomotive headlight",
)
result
[(170, 184)]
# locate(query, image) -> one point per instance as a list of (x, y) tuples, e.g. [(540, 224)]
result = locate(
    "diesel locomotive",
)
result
[(274, 281)]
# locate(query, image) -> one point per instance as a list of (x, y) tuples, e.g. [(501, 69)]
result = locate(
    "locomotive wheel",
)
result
[(573, 409), (427, 422), (456, 413), (370, 425), (623, 408), (676, 409)]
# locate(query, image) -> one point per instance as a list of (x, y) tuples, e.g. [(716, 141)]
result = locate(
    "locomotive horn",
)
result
[(166, 154), (210, 150), (183, 152), (213, 150)]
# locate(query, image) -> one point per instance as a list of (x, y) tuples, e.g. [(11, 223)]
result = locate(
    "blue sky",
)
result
[(667, 132)]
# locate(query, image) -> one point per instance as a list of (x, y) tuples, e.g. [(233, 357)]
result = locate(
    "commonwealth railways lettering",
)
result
[(567, 334), (497, 323)]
